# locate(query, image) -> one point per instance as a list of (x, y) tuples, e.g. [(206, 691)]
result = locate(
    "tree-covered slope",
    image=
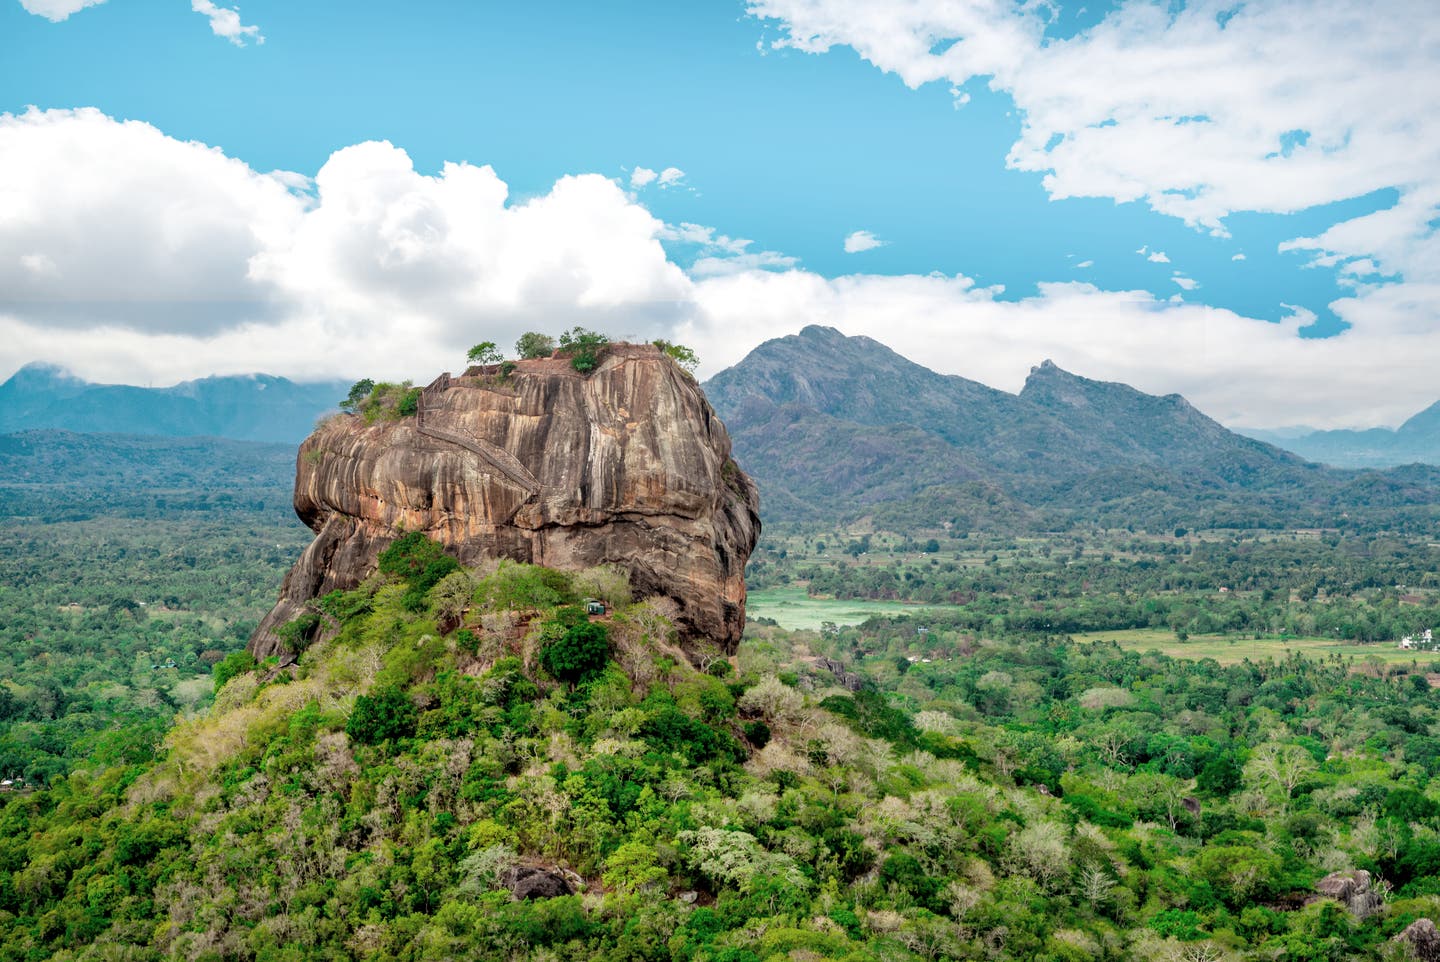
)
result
[(836, 426), (464, 764)]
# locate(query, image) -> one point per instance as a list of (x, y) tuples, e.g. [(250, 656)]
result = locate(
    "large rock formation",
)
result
[(626, 465)]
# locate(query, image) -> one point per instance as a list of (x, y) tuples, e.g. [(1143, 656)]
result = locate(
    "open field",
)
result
[(1231, 649), (791, 608)]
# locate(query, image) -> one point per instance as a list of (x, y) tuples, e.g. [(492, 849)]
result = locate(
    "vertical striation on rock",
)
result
[(626, 465)]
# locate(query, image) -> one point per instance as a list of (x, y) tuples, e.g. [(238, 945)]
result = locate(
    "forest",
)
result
[(903, 789)]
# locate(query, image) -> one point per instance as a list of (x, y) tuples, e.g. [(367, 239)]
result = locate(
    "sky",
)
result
[(1235, 201)]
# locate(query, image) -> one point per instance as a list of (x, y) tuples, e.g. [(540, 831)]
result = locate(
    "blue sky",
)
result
[(795, 126)]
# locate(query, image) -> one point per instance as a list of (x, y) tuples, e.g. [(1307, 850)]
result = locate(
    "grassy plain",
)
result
[(792, 608), (1231, 649)]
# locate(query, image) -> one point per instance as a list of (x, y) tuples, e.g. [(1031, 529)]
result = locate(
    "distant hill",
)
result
[(254, 407), (831, 425), (1417, 441)]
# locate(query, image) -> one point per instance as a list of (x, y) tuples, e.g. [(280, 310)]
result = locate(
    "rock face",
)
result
[(627, 465)]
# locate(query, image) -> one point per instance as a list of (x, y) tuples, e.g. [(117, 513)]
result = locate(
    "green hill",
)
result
[(836, 427), (468, 765)]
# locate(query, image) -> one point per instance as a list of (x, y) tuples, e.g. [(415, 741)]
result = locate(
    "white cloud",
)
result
[(134, 257), (1084, 264), (1237, 257), (722, 254), (641, 176), (862, 240), (671, 176), (1239, 370), (225, 22), (1158, 257), (1185, 283), (1198, 109), (57, 10)]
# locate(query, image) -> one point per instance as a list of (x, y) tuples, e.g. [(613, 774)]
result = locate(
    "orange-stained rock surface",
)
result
[(627, 465)]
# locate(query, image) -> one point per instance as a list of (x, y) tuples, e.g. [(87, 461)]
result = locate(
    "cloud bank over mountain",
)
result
[(128, 255)]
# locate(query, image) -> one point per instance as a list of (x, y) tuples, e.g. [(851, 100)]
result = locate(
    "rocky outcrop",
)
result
[(626, 465), (1353, 889), (1421, 939)]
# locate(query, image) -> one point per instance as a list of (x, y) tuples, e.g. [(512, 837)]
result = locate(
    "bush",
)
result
[(235, 663), (579, 653), (583, 348), (533, 344), (419, 562), (386, 714)]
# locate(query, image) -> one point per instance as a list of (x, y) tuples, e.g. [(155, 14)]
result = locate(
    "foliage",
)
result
[(417, 561), (382, 715), (359, 391), (680, 354), (583, 348), (235, 663), (533, 344), (580, 653), (485, 353)]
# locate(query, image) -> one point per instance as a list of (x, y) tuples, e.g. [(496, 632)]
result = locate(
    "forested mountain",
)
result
[(836, 426), (1415, 441), (254, 407)]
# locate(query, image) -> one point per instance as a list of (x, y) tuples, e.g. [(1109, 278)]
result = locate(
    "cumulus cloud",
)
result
[(862, 240), (133, 256), (225, 22), (57, 10), (163, 259), (1198, 110), (1237, 257), (670, 176), (1084, 264), (1158, 257), (641, 176), (1185, 283), (1237, 369)]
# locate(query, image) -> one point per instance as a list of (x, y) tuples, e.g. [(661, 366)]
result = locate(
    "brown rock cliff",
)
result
[(626, 465)]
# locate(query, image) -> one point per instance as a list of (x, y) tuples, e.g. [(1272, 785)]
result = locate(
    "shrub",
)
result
[(579, 653), (386, 714), (583, 348), (682, 355), (533, 344), (235, 663), (419, 562)]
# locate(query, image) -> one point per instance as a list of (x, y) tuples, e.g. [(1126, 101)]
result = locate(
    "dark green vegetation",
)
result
[(1023, 798), (836, 428), (256, 407), (382, 400), (128, 567), (1350, 587)]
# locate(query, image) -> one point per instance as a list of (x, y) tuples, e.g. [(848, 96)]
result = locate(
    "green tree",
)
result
[(681, 354), (533, 344), (583, 348), (359, 391), (484, 353), (579, 653), (388, 713)]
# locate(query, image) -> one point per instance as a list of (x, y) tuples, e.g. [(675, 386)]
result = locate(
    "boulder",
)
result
[(626, 465)]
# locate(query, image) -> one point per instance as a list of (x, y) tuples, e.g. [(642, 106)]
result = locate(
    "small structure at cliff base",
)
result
[(626, 465)]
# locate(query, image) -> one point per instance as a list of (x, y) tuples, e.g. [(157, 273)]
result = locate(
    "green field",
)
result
[(1231, 649), (791, 608)]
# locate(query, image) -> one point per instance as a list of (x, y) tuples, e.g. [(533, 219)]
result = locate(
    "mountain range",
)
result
[(837, 426), (253, 407), (1415, 441)]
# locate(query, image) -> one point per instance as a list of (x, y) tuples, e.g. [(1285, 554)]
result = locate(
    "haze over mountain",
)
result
[(836, 425), (255, 407), (1417, 441)]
